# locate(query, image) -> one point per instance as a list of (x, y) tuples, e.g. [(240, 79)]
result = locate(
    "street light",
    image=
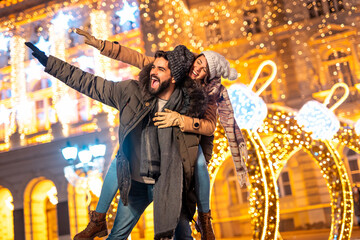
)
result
[(85, 165)]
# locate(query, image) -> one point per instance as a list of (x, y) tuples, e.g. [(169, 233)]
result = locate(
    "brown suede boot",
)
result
[(204, 227), (95, 228)]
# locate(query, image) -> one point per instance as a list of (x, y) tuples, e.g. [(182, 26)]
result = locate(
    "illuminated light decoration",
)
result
[(318, 119), (357, 127), (43, 45), (18, 83), (95, 184), (85, 62), (127, 13), (171, 23), (4, 115), (264, 200), (52, 195), (85, 156), (34, 71), (97, 150), (9, 203), (69, 153), (100, 27), (25, 114), (66, 108), (325, 155), (4, 41), (61, 21), (249, 109), (57, 37)]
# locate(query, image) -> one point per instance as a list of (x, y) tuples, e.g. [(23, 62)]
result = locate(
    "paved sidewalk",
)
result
[(321, 234)]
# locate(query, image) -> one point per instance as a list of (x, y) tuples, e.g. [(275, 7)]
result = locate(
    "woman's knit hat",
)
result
[(219, 66), (180, 60)]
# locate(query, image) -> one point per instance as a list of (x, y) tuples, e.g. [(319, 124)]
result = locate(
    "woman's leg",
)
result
[(97, 225), (108, 190), (202, 189), (202, 183)]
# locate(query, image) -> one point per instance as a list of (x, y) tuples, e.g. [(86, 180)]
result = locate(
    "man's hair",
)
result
[(162, 54)]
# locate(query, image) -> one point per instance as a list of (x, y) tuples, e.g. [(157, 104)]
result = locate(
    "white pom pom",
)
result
[(233, 74)]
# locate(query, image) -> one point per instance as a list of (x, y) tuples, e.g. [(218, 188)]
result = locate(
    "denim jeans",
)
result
[(108, 190), (202, 183), (140, 197)]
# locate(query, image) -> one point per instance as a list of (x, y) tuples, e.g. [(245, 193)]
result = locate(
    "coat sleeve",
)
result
[(205, 126), (107, 92), (127, 55)]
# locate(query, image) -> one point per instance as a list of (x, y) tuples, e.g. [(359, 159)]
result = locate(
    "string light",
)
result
[(325, 155), (357, 127), (57, 38), (18, 84)]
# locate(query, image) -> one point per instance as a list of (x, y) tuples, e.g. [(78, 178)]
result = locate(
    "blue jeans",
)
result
[(202, 183), (140, 197)]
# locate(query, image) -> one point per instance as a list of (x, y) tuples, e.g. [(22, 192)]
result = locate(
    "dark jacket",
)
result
[(132, 100)]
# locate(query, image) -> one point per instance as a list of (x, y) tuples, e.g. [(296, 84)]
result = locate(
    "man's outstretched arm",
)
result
[(100, 89)]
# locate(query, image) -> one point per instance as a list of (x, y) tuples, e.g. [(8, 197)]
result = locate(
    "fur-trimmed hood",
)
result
[(195, 99)]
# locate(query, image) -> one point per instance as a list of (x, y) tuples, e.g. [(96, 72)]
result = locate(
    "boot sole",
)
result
[(99, 234)]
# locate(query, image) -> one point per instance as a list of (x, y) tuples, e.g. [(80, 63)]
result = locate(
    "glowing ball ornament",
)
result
[(249, 109), (316, 118), (357, 127)]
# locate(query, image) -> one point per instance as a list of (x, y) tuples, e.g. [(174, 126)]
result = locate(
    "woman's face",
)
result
[(199, 69)]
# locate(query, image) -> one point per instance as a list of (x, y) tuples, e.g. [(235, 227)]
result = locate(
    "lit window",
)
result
[(318, 8), (213, 32), (339, 69), (284, 185), (354, 162), (237, 194), (252, 21)]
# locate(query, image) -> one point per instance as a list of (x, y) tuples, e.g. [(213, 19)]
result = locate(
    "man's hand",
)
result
[(89, 39), (39, 55), (167, 119)]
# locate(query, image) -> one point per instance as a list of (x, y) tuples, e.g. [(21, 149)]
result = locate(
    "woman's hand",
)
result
[(168, 118), (89, 39)]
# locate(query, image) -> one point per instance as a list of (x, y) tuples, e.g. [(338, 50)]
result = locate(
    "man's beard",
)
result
[(162, 87)]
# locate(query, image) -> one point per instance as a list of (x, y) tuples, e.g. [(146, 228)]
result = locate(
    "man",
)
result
[(151, 163)]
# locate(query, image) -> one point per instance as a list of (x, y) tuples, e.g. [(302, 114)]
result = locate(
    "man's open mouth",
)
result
[(155, 82)]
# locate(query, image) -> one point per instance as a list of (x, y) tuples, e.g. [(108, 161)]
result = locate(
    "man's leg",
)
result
[(183, 230), (140, 197), (97, 225)]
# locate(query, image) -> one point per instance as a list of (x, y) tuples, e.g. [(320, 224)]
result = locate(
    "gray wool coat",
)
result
[(133, 105)]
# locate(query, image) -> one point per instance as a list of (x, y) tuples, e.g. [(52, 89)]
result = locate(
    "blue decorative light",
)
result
[(4, 41), (85, 155), (249, 109), (85, 62), (357, 127), (127, 13), (43, 45), (69, 153), (61, 21), (319, 120), (98, 150)]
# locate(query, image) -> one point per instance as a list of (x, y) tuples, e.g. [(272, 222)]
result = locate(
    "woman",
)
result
[(207, 70)]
